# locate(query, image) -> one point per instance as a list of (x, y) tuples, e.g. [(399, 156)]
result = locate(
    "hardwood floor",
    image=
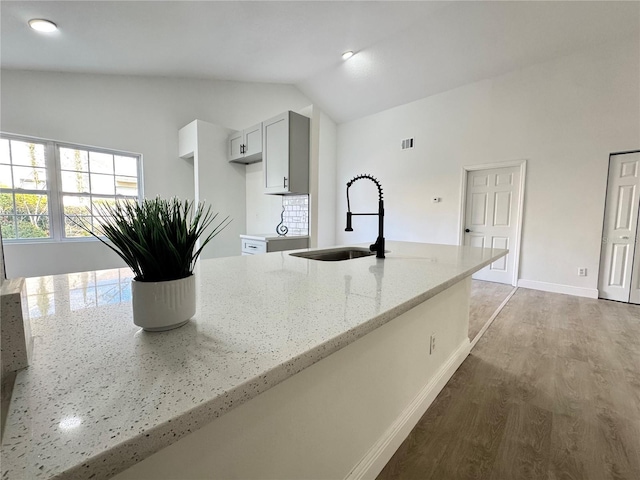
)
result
[(551, 391), (486, 297)]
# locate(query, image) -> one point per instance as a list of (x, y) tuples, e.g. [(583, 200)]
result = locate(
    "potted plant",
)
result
[(160, 240)]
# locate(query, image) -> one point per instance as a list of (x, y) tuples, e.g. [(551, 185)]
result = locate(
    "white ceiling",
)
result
[(405, 50)]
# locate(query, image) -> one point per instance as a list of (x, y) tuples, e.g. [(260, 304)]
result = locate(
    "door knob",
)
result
[(467, 230)]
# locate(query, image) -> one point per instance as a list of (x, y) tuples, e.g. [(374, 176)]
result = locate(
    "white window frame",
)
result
[(54, 184)]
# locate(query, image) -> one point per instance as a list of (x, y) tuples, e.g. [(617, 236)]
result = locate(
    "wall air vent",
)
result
[(407, 143)]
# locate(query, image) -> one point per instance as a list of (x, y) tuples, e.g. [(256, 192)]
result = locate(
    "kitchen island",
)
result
[(290, 368)]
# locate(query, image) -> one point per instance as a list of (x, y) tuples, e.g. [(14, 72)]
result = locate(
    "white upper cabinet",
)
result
[(246, 146), (235, 142), (285, 154)]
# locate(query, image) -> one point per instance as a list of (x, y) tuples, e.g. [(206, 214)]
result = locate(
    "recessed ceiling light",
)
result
[(42, 25), (346, 55)]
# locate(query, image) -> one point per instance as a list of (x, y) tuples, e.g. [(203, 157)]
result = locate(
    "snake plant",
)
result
[(157, 238)]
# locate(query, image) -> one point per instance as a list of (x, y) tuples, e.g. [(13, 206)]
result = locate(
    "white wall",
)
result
[(323, 180), (563, 116), (263, 211), (221, 183), (137, 114)]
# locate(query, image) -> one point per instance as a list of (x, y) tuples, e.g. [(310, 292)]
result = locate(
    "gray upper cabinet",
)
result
[(285, 154), (246, 146)]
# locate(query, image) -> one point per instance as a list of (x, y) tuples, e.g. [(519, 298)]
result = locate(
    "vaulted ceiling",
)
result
[(404, 50)]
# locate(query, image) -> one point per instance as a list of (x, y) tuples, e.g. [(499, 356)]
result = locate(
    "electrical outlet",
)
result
[(432, 344), (582, 272)]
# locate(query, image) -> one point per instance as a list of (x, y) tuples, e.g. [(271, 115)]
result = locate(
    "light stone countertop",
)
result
[(101, 394), (270, 237)]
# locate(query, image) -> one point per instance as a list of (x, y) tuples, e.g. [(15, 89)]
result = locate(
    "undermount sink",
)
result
[(335, 254)]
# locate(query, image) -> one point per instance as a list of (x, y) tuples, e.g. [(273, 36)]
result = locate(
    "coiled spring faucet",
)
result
[(377, 247)]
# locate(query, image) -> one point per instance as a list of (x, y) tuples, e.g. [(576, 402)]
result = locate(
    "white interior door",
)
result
[(619, 231), (491, 213)]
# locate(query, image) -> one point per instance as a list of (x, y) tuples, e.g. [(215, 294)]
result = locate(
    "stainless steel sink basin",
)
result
[(335, 254)]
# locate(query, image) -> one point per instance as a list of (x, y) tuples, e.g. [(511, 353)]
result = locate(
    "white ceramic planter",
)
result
[(161, 306)]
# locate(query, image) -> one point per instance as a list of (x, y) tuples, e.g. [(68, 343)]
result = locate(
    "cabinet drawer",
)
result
[(253, 246)]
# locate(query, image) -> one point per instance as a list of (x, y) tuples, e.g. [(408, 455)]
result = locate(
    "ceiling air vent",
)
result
[(407, 143)]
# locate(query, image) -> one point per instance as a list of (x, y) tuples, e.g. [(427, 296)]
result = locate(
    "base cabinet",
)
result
[(279, 434), (253, 246)]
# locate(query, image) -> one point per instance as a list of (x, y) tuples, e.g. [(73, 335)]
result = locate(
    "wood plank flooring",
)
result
[(551, 391), (486, 297)]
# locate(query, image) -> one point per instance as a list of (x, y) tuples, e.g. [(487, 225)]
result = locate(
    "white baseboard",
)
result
[(381, 452), (557, 288)]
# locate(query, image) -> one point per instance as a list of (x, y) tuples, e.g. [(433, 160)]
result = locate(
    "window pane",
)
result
[(4, 151), (99, 204), (23, 153), (6, 203), (31, 204), (30, 178), (78, 209), (98, 222), (8, 227), (75, 182), (5, 176), (102, 184), (74, 159), (76, 205), (101, 162), (33, 226), (72, 228), (127, 186), (126, 166)]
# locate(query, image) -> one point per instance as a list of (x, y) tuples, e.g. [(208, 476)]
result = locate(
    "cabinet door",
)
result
[(253, 141), (235, 146), (275, 154)]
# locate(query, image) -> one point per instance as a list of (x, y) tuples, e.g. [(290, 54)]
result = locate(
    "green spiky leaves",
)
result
[(157, 239)]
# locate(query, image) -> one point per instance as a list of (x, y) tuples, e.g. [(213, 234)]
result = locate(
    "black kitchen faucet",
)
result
[(377, 247)]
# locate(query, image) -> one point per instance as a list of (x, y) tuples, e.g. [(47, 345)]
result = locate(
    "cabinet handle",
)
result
[(284, 182), (252, 246), (243, 149)]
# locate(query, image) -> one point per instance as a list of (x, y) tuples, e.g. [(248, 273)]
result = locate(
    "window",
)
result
[(47, 187)]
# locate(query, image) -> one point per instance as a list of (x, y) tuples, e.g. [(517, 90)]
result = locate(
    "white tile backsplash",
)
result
[(296, 214)]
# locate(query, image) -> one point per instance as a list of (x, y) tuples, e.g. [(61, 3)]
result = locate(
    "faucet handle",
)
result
[(349, 227)]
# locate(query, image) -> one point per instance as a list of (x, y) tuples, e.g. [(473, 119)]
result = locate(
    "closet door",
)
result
[(618, 254), (634, 294)]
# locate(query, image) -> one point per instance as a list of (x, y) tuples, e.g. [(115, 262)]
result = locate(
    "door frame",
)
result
[(463, 203)]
